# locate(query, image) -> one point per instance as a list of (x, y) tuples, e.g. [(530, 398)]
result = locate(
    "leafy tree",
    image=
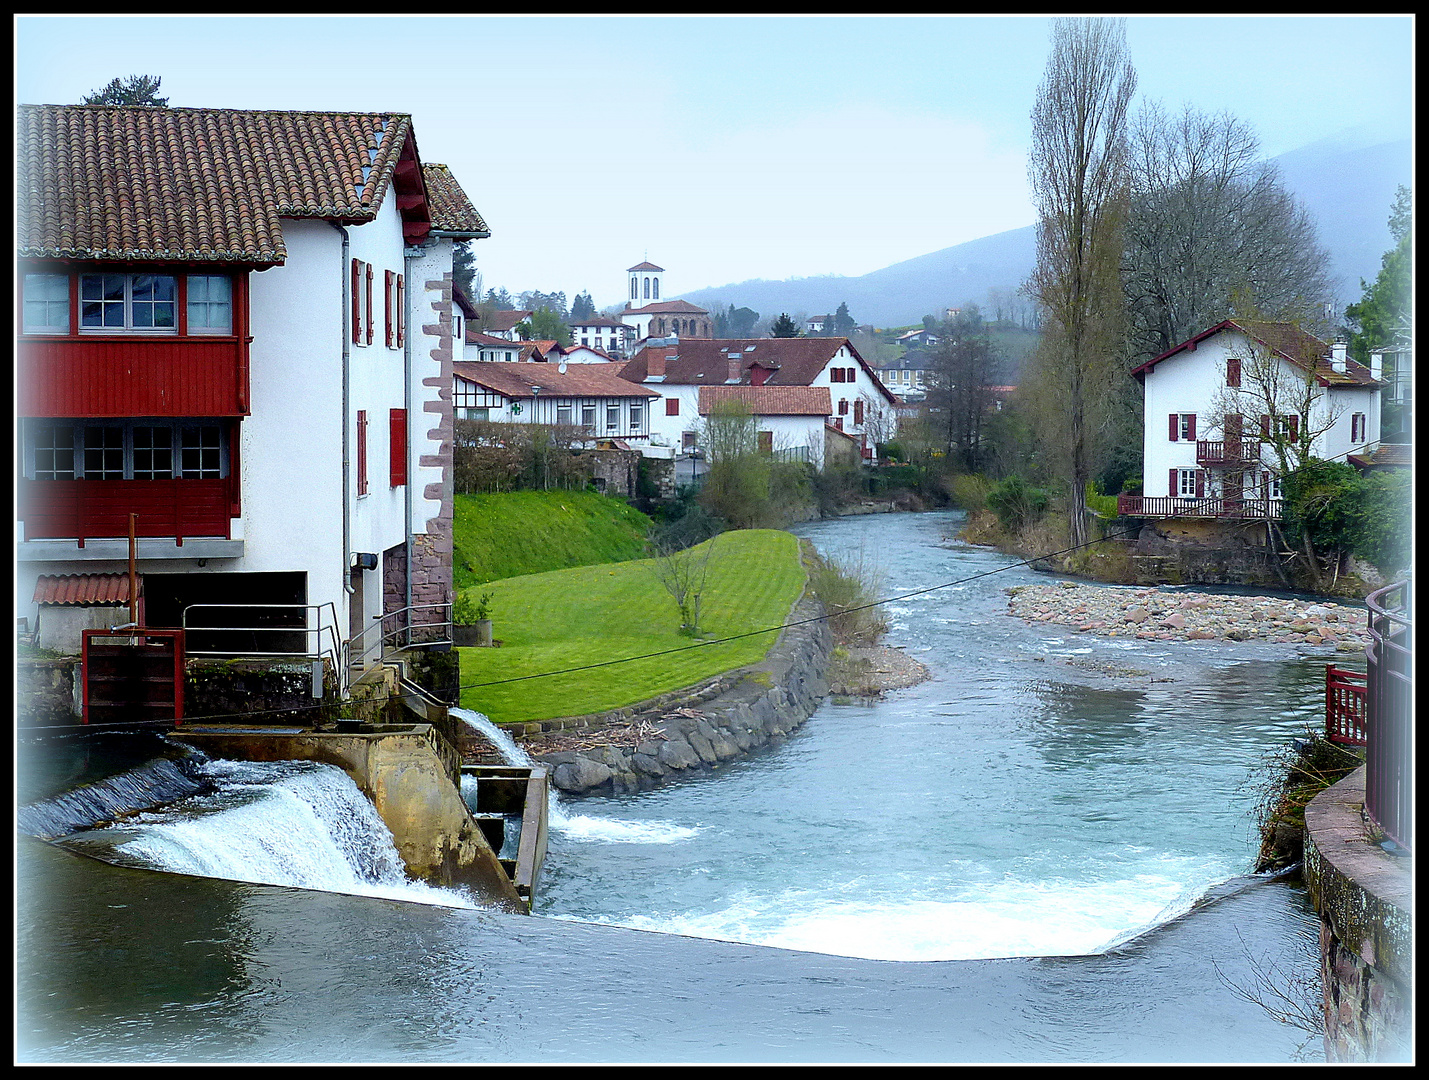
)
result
[(843, 323), (134, 90), (1079, 182), (582, 308), (547, 325), (1016, 504), (1209, 227), (1382, 528), (784, 327), (735, 323), (534, 300)]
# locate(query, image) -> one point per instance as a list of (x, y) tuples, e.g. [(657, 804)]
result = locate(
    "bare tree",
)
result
[(1209, 222), (962, 364), (684, 574), (1078, 172)]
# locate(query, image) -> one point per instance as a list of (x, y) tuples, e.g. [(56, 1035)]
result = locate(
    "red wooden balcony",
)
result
[(1345, 706), (1225, 509), (131, 375), (1235, 453), (99, 509)]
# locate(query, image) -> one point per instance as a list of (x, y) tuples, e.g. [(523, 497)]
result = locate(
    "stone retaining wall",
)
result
[(698, 729)]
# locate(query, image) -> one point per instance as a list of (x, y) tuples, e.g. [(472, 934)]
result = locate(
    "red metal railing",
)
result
[(1233, 509), (1389, 754), (1345, 705)]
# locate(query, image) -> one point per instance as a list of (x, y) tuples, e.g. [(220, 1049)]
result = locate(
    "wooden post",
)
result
[(133, 582)]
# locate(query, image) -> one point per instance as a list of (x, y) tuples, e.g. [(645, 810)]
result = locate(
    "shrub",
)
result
[(969, 492), (1015, 503), (847, 586)]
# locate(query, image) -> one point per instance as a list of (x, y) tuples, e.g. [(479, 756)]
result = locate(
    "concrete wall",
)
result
[(1364, 896)]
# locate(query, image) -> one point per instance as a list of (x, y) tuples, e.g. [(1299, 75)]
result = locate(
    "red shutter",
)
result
[(397, 444), (1173, 486), (356, 302), (1200, 483), (401, 311), (1294, 422), (370, 319), (387, 306), (672, 406), (1174, 427), (361, 452), (1191, 428), (843, 406), (1233, 371), (858, 411)]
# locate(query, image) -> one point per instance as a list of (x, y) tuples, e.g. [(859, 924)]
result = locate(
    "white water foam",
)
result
[(299, 824), (575, 826)]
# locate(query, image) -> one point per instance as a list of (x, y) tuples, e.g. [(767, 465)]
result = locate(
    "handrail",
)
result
[(317, 651), (390, 636), (1389, 757)]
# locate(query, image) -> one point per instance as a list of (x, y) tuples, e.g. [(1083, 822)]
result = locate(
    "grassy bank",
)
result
[(590, 615), (529, 532)]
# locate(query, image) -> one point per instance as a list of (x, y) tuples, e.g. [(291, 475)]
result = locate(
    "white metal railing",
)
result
[(399, 629), (320, 636)]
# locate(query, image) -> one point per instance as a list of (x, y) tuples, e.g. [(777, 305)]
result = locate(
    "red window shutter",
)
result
[(356, 302), (1200, 483), (1173, 485), (1191, 428), (672, 406), (361, 452), (397, 445), (858, 411), (1174, 427), (1264, 426), (370, 319), (1233, 371), (401, 311), (387, 307), (843, 406), (1294, 422)]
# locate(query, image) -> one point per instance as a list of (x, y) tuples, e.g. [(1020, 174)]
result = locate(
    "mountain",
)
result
[(1347, 181)]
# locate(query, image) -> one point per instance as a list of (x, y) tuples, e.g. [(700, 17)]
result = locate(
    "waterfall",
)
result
[(575, 826), (162, 780), (294, 823)]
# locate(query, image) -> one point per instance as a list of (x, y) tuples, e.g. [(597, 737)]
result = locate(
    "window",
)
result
[(210, 304), (657, 288), (563, 413), (402, 312), (588, 417), (635, 288), (126, 451), (1232, 371), (858, 411), (672, 406), (1273, 488), (688, 440), (128, 302), (389, 284), (765, 442), (647, 288), (843, 406), (1182, 427), (1357, 427), (1188, 483), (46, 304), (637, 417), (612, 418)]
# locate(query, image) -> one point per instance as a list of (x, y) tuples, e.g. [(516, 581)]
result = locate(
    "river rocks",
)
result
[(1155, 615)]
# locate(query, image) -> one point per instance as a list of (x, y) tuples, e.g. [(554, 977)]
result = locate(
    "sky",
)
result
[(726, 149)]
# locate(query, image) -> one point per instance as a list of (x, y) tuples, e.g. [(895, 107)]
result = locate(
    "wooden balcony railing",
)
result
[(1236, 453), (1345, 702), (1225, 509), (99, 509)]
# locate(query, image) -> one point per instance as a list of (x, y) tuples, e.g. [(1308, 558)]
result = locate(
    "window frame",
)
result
[(189, 301), (181, 436), (127, 303), (46, 329)]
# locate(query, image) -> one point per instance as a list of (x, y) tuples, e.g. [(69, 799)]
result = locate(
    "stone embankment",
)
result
[(758, 706), (1154, 615)]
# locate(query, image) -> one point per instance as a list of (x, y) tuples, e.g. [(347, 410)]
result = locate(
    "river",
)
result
[(1037, 855)]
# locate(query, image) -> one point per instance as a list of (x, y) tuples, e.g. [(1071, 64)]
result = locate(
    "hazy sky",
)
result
[(725, 148)]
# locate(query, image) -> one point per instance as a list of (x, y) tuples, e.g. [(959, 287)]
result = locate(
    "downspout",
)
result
[(408, 257), (346, 448)]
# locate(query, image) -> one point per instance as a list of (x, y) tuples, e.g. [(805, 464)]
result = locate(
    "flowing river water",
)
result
[(1040, 854)]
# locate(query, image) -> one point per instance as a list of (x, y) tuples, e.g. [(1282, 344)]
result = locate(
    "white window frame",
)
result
[(1186, 478), (181, 432), (51, 306), (208, 304), (127, 303)]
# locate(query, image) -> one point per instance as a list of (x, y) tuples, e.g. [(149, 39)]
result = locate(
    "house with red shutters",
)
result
[(683, 369), (235, 343), (1215, 405)]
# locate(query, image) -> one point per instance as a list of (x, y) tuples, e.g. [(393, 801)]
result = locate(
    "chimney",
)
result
[(1338, 352), (1376, 366), (736, 362), (655, 362)]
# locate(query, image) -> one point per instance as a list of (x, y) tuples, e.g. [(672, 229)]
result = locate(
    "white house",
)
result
[(601, 332), (506, 324), (488, 348), (790, 421), (593, 396), (1211, 404), (859, 404), (247, 359)]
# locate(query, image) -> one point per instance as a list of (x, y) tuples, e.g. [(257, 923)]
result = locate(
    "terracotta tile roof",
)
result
[(771, 400), (1287, 341), (86, 590), (668, 307), (644, 266), (1386, 455), (135, 183), (597, 320), (451, 210), (476, 337), (578, 380), (705, 361), (506, 320)]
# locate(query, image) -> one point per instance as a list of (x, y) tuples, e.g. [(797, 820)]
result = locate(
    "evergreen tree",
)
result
[(582, 307), (784, 327), (1383, 314), (843, 323), (464, 268), (135, 90)]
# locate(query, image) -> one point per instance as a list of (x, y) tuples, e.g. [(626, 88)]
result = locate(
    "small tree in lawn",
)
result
[(684, 574)]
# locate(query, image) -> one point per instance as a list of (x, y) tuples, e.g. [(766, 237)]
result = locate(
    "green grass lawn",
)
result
[(594, 614), (528, 532)]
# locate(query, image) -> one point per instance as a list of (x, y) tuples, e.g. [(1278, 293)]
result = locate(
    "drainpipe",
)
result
[(408, 258), (346, 449)]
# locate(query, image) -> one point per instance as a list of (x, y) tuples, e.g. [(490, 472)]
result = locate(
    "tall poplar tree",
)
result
[(1078, 173)]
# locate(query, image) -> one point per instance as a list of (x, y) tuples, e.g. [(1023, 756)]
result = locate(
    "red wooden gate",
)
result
[(133, 675), (1344, 706)]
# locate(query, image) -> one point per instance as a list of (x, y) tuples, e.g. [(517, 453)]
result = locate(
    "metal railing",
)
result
[(1345, 703), (1172, 507), (316, 637), (1389, 756), (404, 628)]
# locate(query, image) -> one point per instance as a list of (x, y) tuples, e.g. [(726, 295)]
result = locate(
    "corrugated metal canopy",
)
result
[(83, 590)]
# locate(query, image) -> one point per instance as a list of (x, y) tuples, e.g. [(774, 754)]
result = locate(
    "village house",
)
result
[(601, 332), (245, 355), (507, 324), (592, 396), (1214, 404), (859, 404), (907, 376)]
